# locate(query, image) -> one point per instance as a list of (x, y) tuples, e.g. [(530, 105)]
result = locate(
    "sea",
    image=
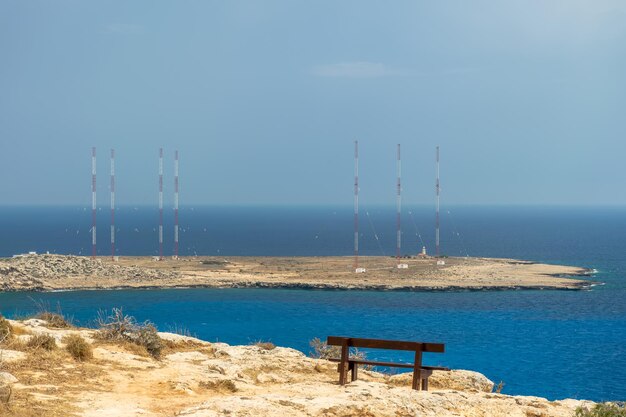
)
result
[(548, 343)]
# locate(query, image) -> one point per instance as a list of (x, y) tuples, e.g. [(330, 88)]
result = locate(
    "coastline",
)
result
[(202, 379), (72, 273)]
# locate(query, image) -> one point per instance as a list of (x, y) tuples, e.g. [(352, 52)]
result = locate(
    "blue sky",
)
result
[(264, 99)]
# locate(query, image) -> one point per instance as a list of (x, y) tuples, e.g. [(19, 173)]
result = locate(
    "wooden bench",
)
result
[(420, 373)]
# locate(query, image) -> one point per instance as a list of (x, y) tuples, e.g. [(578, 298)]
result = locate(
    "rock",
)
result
[(39, 271), (6, 386), (198, 379), (9, 356), (35, 323), (264, 378), (461, 380), (456, 379), (374, 399), (7, 378)]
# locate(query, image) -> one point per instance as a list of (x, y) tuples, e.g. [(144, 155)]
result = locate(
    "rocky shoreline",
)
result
[(58, 272), (194, 378)]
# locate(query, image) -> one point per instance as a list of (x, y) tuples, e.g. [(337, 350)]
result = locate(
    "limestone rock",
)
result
[(201, 379), (6, 386), (7, 378), (9, 356), (40, 271), (456, 379)]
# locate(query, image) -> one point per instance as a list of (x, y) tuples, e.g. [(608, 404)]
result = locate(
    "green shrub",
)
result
[(78, 347), (602, 410), (118, 326), (321, 350), (148, 337), (42, 341), (115, 326)]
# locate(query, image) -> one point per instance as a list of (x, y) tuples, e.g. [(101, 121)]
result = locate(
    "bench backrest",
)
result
[(385, 344)]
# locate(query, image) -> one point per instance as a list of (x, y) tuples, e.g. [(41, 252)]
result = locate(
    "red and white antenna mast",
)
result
[(399, 208), (93, 202), (437, 214), (161, 204), (113, 204), (176, 204), (356, 205)]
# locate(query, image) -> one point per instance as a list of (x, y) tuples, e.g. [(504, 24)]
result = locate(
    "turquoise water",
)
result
[(554, 344)]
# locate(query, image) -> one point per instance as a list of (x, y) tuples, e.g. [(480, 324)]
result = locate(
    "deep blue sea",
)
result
[(554, 344)]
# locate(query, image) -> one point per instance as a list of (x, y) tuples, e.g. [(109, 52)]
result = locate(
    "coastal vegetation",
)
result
[(78, 347), (6, 329), (264, 345), (42, 341), (55, 318), (602, 410), (321, 349), (117, 326)]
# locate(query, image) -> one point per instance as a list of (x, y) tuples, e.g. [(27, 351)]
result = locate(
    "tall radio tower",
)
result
[(93, 202), (176, 204), (437, 188), (356, 206), (160, 203), (112, 204), (399, 209)]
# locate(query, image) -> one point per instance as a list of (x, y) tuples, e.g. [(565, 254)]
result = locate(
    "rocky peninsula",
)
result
[(42, 374), (58, 272)]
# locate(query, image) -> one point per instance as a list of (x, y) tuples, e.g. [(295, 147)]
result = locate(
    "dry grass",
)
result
[(173, 346), (126, 345), (264, 345), (119, 327), (23, 404), (54, 368), (602, 410), (50, 369), (78, 347), (42, 341), (54, 320), (222, 385), (14, 344), (148, 337), (48, 378), (321, 350), (180, 330), (18, 331), (6, 330)]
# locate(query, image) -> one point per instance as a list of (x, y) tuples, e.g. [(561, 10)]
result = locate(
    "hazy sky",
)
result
[(264, 99)]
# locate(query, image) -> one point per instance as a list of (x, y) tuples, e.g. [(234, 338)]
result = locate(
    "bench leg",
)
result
[(417, 370), (355, 371), (425, 384), (343, 365)]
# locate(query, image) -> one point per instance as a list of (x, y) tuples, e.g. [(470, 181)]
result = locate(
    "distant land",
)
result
[(60, 272)]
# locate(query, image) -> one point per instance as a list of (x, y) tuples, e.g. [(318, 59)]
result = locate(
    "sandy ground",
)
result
[(381, 273), (200, 379), (282, 272)]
